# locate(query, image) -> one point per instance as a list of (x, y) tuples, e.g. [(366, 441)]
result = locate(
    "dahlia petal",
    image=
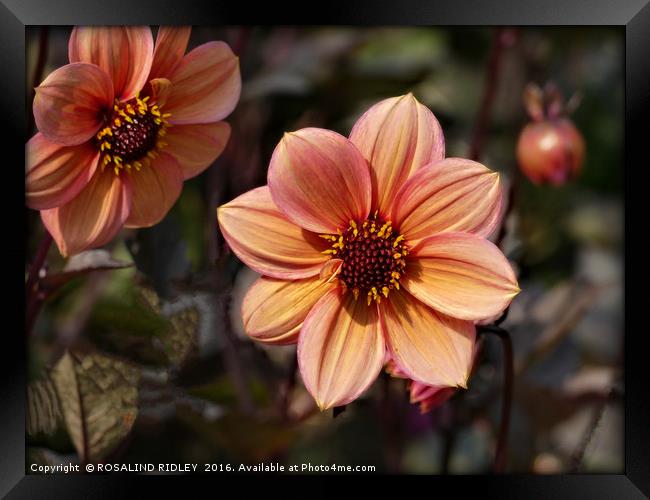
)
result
[(331, 269), (196, 147), (460, 274), (93, 217), (156, 187), (125, 53), (274, 310), (319, 180), (429, 396), (56, 174), (68, 104), (397, 136), (426, 345), (170, 46), (340, 349), (206, 85), (266, 241), (452, 195), (159, 89)]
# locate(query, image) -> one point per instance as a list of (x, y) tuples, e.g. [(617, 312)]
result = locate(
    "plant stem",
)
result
[(37, 263), (33, 298), (579, 455), (289, 385), (232, 359), (500, 455), (446, 422), (501, 40)]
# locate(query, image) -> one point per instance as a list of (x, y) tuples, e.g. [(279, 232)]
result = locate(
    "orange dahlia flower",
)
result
[(369, 244), (122, 126)]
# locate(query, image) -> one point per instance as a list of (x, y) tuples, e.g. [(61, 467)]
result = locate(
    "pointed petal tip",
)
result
[(322, 406)]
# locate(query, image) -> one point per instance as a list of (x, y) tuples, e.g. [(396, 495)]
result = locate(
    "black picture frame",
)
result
[(632, 15)]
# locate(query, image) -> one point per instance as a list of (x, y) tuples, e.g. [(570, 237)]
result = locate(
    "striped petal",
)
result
[(123, 52), (170, 46), (274, 310), (319, 180), (429, 396), (56, 174), (266, 241), (93, 217), (206, 85), (156, 187), (397, 136), (452, 195), (69, 104), (428, 346), (196, 147), (462, 275), (340, 349)]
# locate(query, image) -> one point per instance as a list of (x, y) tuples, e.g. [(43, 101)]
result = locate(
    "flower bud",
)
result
[(550, 149)]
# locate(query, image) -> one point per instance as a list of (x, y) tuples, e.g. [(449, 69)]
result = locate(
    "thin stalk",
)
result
[(33, 299), (500, 456), (500, 42), (446, 422), (289, 385)]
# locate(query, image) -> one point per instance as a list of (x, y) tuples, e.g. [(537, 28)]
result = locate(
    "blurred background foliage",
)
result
[(139, 355)]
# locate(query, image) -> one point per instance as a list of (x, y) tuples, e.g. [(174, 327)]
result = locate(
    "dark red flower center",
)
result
[(373, 255), (132, 134)]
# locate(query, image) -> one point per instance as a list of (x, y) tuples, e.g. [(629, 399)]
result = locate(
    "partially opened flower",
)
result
[(371, 243), (122, 126), (427, 396)]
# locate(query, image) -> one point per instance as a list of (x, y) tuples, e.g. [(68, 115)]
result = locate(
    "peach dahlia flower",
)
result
[(122, 126), (369, 245)]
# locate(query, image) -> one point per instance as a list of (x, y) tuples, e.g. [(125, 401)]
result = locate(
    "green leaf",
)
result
[(98, 396), (84, 263), (132, 325), (43, 408)]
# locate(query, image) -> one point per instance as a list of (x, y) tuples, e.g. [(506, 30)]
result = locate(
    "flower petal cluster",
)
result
[(122, 126), (372, 245)]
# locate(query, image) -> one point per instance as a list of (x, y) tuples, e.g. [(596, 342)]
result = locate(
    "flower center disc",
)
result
[(132, 134), (373, 256)]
